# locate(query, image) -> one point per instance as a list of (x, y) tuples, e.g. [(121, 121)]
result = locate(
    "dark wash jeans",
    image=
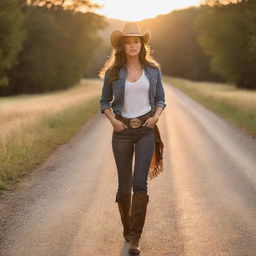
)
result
[(125, 143)]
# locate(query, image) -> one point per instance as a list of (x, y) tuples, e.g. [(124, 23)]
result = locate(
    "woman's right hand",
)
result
[(118, 125)]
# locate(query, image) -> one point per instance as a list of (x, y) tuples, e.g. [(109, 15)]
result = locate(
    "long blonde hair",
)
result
[(117, 59)]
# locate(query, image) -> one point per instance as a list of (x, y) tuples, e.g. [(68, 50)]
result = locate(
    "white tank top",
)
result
[(136, 101)]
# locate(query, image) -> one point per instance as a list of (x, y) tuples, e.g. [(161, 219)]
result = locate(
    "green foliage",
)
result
[(228, 35), (66, 4), (175, 38), (59, 48), (11, 36)]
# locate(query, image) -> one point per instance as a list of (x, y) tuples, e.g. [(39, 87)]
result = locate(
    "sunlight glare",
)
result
[(134, 10)]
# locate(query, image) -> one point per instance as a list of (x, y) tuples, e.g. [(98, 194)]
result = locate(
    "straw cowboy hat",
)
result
[(130, 29)]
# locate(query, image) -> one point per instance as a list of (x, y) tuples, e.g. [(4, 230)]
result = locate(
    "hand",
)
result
[(118, 125), (151, 122)]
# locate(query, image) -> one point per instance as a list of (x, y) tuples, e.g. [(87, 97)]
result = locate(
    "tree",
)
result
[(175, 40), (227, 33), (11, 37), (59, 48), (72, 5)]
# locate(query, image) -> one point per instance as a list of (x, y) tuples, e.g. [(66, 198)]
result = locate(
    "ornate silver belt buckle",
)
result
[(135, 122)]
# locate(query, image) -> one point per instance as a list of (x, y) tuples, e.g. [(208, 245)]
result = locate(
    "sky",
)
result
[(136, 10)]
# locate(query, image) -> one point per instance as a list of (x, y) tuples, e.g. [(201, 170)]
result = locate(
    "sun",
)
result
[(134, 10)]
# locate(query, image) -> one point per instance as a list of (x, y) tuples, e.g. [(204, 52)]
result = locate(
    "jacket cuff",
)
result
[(161, 104), (103, 108)]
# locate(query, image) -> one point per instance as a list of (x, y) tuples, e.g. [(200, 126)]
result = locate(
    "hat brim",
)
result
[(117, 34)]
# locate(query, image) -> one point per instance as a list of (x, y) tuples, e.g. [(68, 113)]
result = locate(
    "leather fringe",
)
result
[(156, 165)]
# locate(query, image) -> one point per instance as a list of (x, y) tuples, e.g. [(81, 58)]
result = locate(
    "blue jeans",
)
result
[(124, 143)]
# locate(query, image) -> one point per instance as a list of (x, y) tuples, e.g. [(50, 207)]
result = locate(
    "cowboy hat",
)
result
[(130, 29)]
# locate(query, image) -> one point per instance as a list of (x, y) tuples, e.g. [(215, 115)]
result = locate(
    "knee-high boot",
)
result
[(124, 206), (138, 215)]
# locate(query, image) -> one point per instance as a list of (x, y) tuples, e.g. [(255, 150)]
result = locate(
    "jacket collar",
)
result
[(123, 72)]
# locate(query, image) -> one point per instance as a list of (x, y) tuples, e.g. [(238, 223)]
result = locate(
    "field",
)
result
[(235, 105), (32, 126)]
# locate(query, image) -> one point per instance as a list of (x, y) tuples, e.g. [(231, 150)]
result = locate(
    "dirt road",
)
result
[(204, 203)]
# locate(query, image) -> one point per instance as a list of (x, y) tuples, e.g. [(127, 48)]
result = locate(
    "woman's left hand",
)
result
[(151, 122)]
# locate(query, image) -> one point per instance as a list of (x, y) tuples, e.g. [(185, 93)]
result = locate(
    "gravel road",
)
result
[(203, 204)]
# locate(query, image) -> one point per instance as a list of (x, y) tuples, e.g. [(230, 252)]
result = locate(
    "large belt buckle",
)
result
[(135, 122)]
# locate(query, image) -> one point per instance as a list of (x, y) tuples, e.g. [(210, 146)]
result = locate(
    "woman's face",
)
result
[(132, 45)]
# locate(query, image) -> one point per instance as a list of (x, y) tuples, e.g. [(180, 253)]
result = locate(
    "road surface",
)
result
[(204, 203)]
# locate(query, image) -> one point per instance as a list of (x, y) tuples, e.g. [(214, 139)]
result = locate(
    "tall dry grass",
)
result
[(18, 113), (32, 126), (240, 98), (235, 105)]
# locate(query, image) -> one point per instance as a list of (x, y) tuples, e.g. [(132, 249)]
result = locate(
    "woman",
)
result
[(134, 78)]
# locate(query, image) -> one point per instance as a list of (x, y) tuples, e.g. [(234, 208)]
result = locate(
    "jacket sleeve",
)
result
[(106, 95), (160, 94)]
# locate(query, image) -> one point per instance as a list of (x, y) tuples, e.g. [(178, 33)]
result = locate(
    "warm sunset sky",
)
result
[(135, 10)]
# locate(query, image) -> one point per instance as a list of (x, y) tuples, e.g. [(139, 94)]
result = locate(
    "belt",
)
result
[(135, 122)]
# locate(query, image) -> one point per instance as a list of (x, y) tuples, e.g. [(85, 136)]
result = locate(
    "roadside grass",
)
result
[(28, 136), (31, 127), (237, 106)]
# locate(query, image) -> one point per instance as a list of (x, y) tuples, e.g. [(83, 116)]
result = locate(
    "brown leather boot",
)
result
[(138, 215), (124, 206)]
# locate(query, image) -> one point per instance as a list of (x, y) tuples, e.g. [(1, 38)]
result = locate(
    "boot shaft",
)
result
[(124, 206), (138, 214)]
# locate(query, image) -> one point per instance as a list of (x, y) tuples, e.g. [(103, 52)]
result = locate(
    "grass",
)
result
[(34, 126), (31, 127), (237, 106)]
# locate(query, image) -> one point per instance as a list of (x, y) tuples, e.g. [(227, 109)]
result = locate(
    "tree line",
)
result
[(48, 45), (214, 42), (175, 45), (227, 33)]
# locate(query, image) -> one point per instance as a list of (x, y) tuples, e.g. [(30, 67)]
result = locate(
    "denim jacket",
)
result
[(155, 93)]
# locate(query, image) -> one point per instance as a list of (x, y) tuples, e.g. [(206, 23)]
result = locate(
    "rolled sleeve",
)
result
[(106, 95), (160, 94)]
